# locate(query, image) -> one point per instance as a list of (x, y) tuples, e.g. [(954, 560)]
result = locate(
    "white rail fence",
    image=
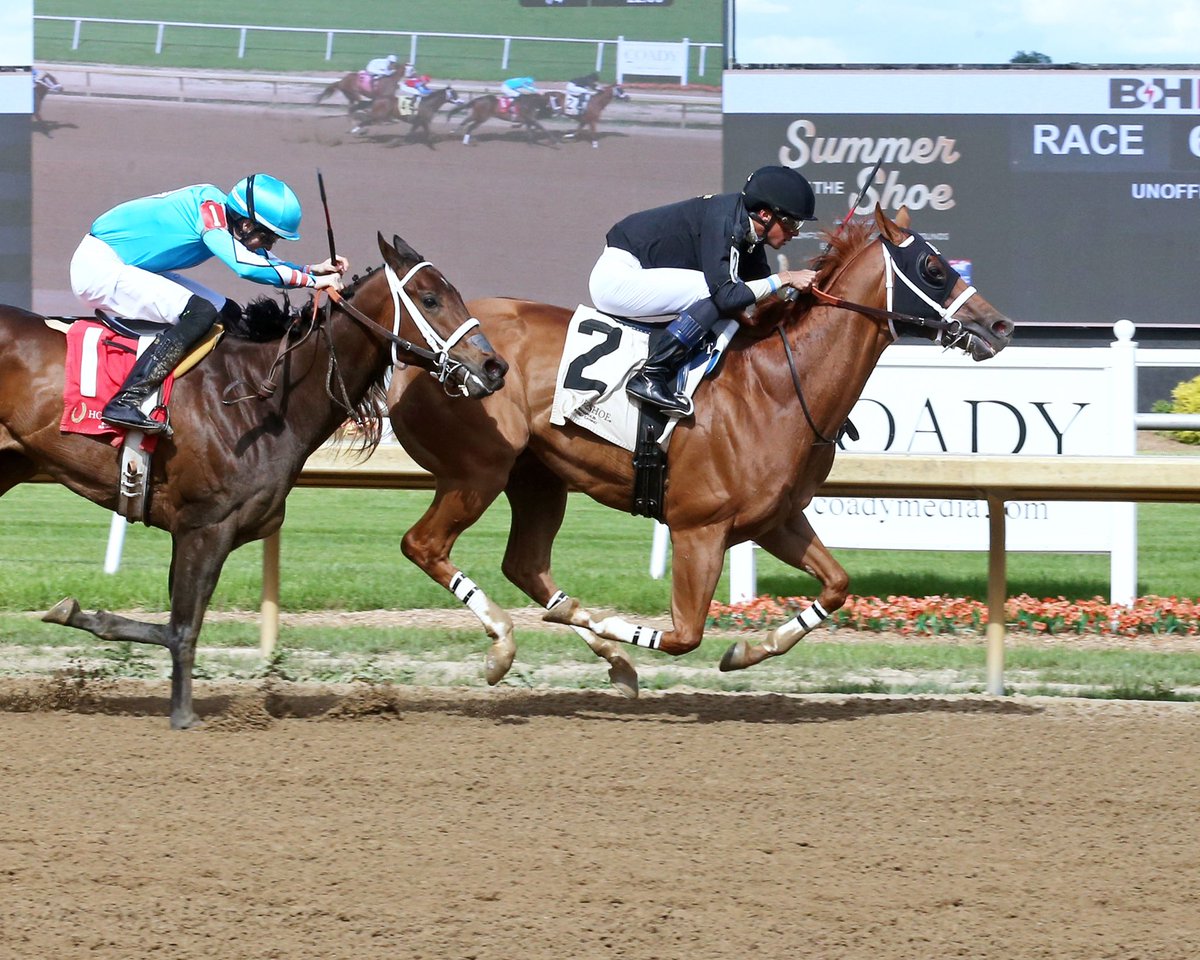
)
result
[(684, 109), (1110, 390), (629, 57)]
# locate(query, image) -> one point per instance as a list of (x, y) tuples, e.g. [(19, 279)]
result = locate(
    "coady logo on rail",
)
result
[(1158, 93)]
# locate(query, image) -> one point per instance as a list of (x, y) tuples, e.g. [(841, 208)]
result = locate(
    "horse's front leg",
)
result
[(699, 555), (428, 544), (538, 499), (795, 543), (197, 557)]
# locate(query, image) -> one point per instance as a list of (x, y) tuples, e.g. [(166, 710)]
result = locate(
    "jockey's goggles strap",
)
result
[(399, 295)]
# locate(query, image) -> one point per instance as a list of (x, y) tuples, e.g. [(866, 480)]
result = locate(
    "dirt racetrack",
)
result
[(522, 825), (516, 824)]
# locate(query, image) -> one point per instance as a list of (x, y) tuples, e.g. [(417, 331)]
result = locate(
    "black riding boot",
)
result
[(155, 365), (655, 382)]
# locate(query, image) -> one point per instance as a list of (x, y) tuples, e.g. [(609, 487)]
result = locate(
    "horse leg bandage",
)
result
[(786, 636), (469, 593), (614, 628)]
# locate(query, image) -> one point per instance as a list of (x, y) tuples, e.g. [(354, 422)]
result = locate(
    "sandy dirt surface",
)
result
[(362, 822), (439, 824)]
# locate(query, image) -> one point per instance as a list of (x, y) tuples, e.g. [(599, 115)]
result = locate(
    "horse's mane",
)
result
[(269, 320), (841, 246)]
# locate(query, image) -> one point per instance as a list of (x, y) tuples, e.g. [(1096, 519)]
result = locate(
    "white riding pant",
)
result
[(620, 285), (103, 281)]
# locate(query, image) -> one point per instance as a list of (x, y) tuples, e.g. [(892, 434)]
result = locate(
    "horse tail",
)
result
[(458, 109), (332, 88)]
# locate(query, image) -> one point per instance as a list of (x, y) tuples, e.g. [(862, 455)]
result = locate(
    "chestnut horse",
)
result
[(524, 111), (350, 86), (223, 479), (758, 448), (590, 115), (418, 111)]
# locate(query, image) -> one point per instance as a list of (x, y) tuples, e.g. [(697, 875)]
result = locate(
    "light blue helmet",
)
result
[(268, 202)]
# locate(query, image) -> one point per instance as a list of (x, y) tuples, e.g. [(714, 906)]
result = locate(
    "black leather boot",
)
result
[(655, 382), (154, 366)]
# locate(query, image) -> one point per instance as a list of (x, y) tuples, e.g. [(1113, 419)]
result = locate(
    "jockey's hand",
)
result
[(328, 266), (798, 279), (327, 280)]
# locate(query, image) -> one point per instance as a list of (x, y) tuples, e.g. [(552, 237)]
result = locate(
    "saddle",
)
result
[(601, 352), (99, 355)]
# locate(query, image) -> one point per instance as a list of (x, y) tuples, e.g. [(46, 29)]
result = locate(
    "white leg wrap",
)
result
[(785, 636), (558, 597), (617, 629), (476, 600)]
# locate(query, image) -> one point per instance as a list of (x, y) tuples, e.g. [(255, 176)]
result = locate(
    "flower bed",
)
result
[(930, 616)]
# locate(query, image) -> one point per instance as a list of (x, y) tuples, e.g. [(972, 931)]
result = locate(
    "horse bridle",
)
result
[(437, 360), (948, 329), (440, 364)]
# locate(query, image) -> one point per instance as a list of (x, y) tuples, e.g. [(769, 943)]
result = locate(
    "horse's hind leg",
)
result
[(538, 499), (428, 545), (795, 543), (699, 555), (196, 561)]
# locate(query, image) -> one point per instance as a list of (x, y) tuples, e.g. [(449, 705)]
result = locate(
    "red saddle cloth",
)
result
[(506, 107), (97, 364)]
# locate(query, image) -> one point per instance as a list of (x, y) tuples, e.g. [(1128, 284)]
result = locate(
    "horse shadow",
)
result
[(47, 127)]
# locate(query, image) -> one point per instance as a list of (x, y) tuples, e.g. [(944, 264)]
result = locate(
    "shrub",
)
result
[(1186, 397)]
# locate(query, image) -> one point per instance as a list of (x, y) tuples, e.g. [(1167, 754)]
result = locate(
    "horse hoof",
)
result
[(498, 662), (736, 657), (187, 722), (62, 612), (623, 676)]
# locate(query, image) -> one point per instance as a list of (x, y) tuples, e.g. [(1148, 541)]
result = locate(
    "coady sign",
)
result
[(1027, 401)]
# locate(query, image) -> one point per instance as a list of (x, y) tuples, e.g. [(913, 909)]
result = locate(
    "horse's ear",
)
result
[(389, 255), (402, 247), (903, 218), (889, 229)]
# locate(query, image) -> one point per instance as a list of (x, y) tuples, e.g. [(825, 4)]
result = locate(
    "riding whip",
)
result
[(328, 222), (859, 199)]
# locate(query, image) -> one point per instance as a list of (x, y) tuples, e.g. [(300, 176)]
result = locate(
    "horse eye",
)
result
[(932, 269), (429, 300)]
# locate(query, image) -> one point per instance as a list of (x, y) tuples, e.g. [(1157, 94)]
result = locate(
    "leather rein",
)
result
[(437, 361)]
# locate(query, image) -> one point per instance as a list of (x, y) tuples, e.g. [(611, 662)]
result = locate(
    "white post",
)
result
[(743, 576), (116, 541), (658, 550), (1123, 560)]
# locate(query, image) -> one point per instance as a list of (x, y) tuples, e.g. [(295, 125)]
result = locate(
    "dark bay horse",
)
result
[(525, 111), (223, 480), (43, 85), (590, 115), (411, 109), (746, 465)]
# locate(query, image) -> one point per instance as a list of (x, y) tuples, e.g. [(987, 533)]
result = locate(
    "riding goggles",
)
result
[(790, 224)]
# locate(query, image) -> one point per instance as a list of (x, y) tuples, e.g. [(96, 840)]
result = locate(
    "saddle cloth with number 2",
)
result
[(599, 356)]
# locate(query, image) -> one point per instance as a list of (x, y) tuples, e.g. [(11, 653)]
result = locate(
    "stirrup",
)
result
[(644, 389), (131, 418)]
